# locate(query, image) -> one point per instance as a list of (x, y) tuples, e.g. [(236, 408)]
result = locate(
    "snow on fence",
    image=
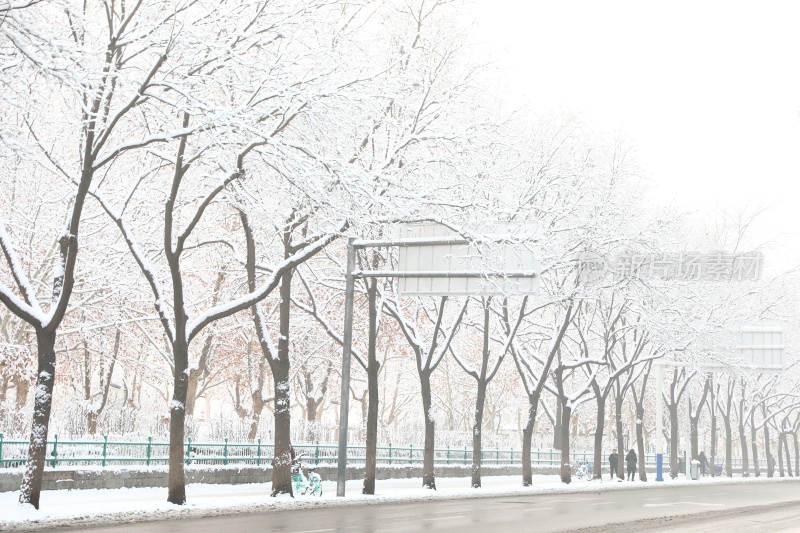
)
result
[(107, 452)]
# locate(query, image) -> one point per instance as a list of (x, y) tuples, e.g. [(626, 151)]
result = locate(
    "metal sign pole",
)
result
[(347, 341)]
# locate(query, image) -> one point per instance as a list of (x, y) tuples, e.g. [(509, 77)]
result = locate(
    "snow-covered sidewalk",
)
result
[(102, 506)]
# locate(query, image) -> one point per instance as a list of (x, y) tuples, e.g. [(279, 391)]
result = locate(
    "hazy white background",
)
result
[(708, 92)]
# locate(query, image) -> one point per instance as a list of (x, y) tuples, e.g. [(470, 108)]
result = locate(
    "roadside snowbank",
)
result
[(118, 506)]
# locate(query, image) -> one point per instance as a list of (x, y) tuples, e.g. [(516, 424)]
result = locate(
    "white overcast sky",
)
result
[(708, 92)]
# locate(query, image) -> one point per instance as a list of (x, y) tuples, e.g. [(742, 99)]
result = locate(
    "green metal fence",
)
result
[(150, 452)]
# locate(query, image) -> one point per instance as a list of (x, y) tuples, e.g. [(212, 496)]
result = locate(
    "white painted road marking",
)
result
[(431, 519), (670, 504)]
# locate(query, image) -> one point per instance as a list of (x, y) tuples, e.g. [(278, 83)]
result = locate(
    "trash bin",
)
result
[(695, 469), (681, 465)]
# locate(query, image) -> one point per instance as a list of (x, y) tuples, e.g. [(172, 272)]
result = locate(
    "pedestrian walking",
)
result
[(612, 463), (631, 460), (703, 463)]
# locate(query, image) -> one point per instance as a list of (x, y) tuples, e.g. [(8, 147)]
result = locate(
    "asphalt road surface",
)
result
[(768, 506)]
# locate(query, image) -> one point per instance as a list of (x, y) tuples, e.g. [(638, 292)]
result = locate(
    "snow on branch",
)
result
[(139, 256), (30, 306), (8, 5), (325, 323), (144, 141), (243, 302), (432, 363)]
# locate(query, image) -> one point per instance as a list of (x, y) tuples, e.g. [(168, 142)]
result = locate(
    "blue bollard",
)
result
[(659, 467)]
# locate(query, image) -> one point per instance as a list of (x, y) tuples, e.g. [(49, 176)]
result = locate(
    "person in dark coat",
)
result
[(612, 463), (703, 463), (631, 460)]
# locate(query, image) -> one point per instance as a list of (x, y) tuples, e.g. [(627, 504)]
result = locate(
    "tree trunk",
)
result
[(796, 455), (694, 421), (767, 447), (253, 431), (282, 469), (728, 446), (22, 388), (476, 434), (42, 404), (372, 388), (743, 441), (640, 439), (780, 454), (756, 465), (176, 484), (788, 456), (281, 464), (566, 415), (620, 437), (191, 393), (428, 476), (527, 436), (597, 470), (91, 422), (712, 404), (557, 427), (673, 440), (480, 400)]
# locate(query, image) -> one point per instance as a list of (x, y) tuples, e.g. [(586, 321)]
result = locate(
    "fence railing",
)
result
[(107, 452)]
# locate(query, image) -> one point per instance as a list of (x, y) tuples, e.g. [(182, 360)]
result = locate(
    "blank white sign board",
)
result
[(762, 346), (481, 267)]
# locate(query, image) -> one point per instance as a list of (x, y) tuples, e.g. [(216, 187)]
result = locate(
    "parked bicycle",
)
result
[(307, 486), (582, 470)]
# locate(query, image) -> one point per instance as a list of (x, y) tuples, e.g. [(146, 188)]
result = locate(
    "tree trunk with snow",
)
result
[(728, 445), (600, 420), (754, 444), (767, 446), (639, 401), (618, 403), (527, 437), (281, 469), (640, 446), (743, 442), (480, 401), (255, 418), (42, 404), (673, 440), (373, 369), (566, 417), (694, 420), (176, 484), (428, 475), (281, 464), (726, 420), (557, 427), (477, 432)]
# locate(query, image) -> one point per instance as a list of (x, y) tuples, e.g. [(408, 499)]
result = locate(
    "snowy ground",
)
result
[(89, 507)]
